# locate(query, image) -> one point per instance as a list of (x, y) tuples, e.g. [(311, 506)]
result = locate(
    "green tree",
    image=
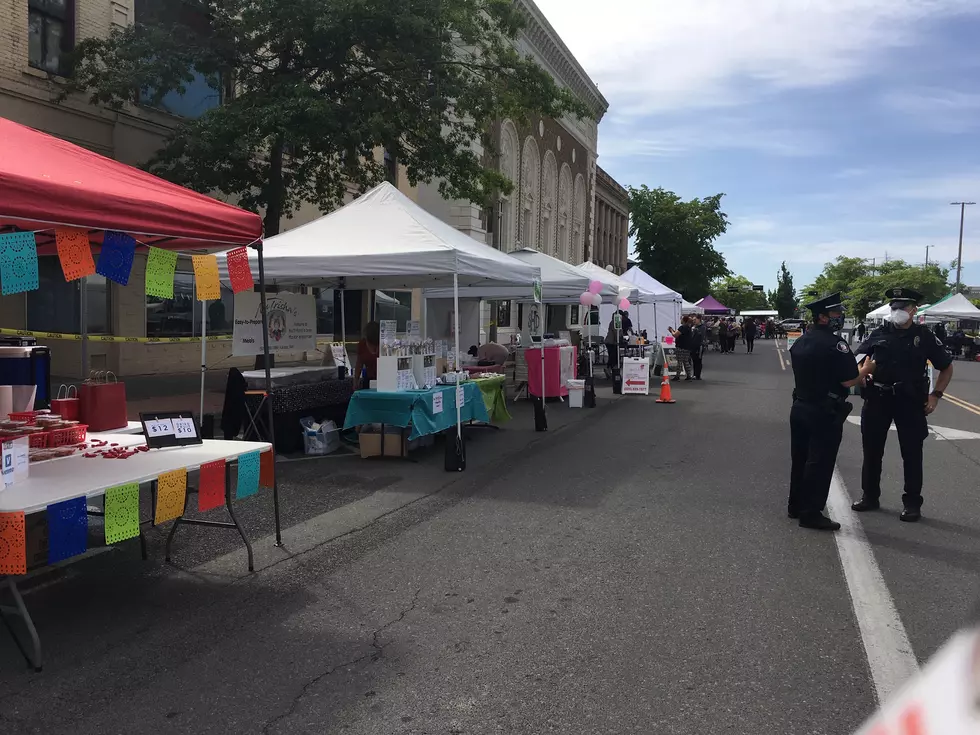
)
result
[(315, 88), (784, 300), (742, 299), (839, 275), (674, 239)]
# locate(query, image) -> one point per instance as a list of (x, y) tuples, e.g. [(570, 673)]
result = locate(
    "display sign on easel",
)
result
[(636, 376), (170, 429)]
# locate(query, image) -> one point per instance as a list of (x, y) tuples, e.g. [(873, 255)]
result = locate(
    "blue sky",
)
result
[(835, 127)]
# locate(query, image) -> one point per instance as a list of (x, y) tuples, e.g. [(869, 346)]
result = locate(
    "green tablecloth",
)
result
[(493, 396), (416, 408)]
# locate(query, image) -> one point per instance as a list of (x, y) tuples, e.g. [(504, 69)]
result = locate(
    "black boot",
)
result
[(792, 512), (819, 522), (865, 503), (910, 515)]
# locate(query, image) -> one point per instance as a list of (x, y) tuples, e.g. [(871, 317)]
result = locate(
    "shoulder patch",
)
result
[(842, 347), (916, 341)]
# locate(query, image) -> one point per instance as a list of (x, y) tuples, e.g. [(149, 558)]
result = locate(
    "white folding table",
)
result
[(68, 478)]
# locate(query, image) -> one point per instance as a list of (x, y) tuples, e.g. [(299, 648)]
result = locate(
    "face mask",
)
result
[(835, 323), (900, 317)]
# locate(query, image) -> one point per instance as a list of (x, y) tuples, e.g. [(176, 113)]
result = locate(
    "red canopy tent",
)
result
[(47, 182)]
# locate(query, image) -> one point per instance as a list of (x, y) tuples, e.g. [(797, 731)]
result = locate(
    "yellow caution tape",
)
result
[(108, 338)]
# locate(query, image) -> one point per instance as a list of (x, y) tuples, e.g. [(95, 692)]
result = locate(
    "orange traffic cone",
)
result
[(665, 389)]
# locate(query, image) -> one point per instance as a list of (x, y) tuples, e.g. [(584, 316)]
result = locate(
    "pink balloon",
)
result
[(596, 299), (595, 286), (585, 299), (624, 305)]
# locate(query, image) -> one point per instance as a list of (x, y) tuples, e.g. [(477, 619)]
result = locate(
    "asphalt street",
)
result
[(629, 571)]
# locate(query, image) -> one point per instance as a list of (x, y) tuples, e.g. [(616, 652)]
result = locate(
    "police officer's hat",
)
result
[(903, 296), (827, 304)]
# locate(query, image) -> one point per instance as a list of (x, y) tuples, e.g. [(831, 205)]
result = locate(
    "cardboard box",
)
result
[(396, 443)]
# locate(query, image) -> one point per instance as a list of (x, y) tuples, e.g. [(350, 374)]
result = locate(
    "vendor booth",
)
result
[(659, 315), (60, 200), (384, 241), (711, 305)]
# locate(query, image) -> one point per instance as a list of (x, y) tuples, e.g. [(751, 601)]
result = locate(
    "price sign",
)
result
[(437, 402), (170, 429), (460, 396), (415, 331)]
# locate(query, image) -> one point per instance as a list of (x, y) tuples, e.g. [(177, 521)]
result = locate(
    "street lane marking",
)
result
[(966, 405), (779, 354), (941, 433), (886, 644)]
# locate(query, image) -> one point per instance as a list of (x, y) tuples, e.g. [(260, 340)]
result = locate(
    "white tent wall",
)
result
[(438, 318), (654, 318)]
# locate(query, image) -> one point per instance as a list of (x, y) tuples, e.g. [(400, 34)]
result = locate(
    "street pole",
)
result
[(959, 255), (927, 256)]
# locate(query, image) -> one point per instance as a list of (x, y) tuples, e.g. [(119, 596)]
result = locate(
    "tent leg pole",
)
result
[(343, 330), (204, 354), (268, 390), (83, 323)]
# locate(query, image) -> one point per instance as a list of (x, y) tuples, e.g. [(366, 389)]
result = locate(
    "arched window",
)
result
[(530, 193), (549, 195), (565, 213), (578, 221), (509, 167)]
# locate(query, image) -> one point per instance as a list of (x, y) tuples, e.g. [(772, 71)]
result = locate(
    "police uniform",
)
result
[(821, 361), (898, 393)]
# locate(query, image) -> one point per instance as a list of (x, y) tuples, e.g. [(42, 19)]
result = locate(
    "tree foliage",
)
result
[(674, 239), (784, 299), (319, 86), (741, 300), (863, 285)]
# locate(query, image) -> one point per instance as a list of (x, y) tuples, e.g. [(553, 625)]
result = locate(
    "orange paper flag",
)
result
[(267, 469), (206, 277), (74, 252), (171, 494), (13, 543)]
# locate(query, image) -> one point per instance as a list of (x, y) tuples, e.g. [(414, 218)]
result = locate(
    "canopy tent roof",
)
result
[(953, 307), (637, 294), (711, 305), (651, 285), (880, 313), (688, 308), (384, 240), (759, 312), (561, 282), (47, 182)]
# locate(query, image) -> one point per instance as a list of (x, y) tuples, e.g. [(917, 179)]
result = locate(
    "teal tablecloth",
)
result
[(415, 408)]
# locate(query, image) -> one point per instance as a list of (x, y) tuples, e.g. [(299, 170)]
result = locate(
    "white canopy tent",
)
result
[(759, 312), (688, 308), (950, 309), (878, 314), (666, 311)]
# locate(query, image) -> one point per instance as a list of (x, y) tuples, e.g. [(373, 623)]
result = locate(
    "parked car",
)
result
[(789, 325)]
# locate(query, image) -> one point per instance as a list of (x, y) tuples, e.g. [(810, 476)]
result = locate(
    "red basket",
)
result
[(38, 439), (65, 437), (28, 417)]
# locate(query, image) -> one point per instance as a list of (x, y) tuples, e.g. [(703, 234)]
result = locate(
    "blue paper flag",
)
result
[(116, 258), (67, 530), (248, 475), (18, 263)]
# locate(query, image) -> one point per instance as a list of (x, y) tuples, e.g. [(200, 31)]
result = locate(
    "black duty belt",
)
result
[(889, 390)]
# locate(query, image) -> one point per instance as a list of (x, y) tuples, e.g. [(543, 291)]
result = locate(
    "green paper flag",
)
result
[(160, 267), (122, 513)]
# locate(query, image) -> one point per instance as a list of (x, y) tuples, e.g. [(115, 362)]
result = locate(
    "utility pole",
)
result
[(959, 256), (927, 256)]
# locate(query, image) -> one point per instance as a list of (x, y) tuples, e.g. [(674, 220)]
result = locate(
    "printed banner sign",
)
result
[(791, 338), (292, 323), (636, 376)]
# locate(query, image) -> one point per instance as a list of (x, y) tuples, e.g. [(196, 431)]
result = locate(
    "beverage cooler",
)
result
[(26, 368)]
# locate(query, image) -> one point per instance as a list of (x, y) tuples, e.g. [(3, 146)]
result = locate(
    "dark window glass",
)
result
[(391, 169), (395, 305), (574, 316), (50, 34), (56, 305), (181, 315), (500, 312)]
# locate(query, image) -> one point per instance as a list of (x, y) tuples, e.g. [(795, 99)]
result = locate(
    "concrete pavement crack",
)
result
[(376, 654)]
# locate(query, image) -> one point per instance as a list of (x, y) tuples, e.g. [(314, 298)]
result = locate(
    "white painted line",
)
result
[(779, 354), (886, 644)]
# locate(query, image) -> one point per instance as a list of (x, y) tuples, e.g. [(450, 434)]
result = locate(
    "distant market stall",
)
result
[(711, 305)]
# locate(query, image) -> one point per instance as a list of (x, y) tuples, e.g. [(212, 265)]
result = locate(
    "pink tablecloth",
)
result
[(554, 385)]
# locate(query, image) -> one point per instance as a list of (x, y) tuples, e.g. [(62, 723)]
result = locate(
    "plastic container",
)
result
[(27, 417), (576, 393), (68, 436)]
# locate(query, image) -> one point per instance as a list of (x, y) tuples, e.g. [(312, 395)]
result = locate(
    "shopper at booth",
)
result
[(682, 338), (368, 349)]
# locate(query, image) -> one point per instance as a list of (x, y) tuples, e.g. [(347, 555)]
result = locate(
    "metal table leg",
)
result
[(33, 658)]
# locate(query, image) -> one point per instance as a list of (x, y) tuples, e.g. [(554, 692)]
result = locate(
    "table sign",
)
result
[(437, 402), (389, 331), (170, 429), (340, 357), (292, 323), (415, 330), (460, 396), (636, 376)]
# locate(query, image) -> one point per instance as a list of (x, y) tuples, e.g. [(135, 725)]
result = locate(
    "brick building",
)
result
[(610, 241)]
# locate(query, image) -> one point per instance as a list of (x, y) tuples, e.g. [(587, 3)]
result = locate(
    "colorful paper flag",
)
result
[(116, 257), (267, 469), (18, 263), (206, 277), (211, 486), (171, 496), (248, 475), (74, 252), (67, 529), (122, 513), (13, 543), (160, 267), (239, 271)]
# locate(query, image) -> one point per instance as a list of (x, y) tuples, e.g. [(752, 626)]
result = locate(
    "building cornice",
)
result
[(548, 44)]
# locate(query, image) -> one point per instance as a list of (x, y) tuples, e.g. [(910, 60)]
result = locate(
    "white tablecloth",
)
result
[(78, 476), (286, 376), (133, 427)]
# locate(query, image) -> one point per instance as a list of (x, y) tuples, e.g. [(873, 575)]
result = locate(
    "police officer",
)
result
[(824, 368), (899, 393)]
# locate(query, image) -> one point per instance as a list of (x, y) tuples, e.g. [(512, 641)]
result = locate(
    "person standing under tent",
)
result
[(682, 340), (899, 393), (861, 331), (698, 339), (368, 349), (748, 332), (612, 346), (823, 369), (940, 330)]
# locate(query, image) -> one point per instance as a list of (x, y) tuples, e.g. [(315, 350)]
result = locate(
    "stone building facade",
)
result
[(610, 240)]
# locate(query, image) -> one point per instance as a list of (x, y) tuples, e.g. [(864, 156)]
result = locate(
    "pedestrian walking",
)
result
[(940, 330), (682, 342), (823, 368), (861, 331), (698, 339), (612, 347), (748, 331), (900, 393), (733, 332)]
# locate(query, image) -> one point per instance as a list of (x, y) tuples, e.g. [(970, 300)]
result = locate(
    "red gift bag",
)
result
[(67, 404), (103, 403)]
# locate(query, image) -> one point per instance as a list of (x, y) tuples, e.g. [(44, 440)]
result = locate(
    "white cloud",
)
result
[(941, 110), (656, 55)]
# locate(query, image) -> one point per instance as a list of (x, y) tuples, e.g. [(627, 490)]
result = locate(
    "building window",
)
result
[(181, 315), (500, 313), (395, 305), (573, 318), (391, 168), (56, 305), (51, 34)]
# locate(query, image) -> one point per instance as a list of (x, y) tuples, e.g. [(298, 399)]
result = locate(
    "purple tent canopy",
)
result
[(711, 306)]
